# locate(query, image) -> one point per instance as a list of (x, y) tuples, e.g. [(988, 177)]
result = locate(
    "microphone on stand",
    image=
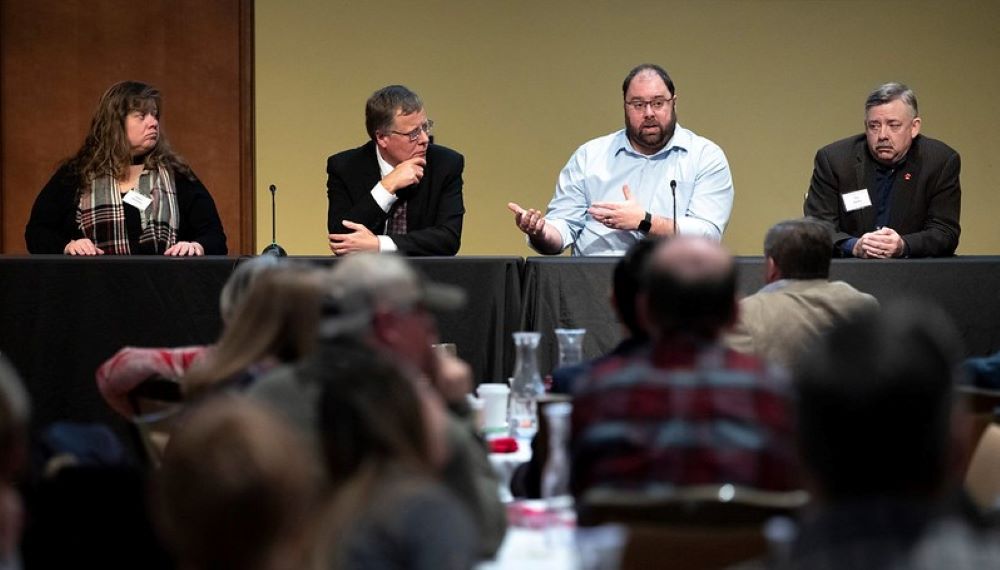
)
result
[(273, 249), (673, 193)]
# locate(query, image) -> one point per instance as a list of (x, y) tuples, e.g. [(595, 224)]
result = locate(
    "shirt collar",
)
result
[(681, 140), (383, 166)]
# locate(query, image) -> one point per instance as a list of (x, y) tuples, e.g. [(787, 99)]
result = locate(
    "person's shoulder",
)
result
[(186, 180), (928, 147), (66, 175), (689, 139), (443, 155), (851, 294), (604, 142), (843, 146), (352, 155)]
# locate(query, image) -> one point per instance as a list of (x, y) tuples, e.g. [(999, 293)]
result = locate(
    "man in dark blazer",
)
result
[(889, 192), (397, 192)]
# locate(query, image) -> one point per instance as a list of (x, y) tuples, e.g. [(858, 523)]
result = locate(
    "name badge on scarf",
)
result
[(856, 200), (133, 198)]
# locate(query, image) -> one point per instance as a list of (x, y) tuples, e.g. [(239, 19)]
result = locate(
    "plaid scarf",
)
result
[(101, 213)]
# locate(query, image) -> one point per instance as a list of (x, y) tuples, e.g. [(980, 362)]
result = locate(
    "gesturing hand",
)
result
[(530, 221), (619, 215)]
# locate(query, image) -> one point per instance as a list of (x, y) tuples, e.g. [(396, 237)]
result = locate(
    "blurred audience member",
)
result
[(381, 305), (983, 371), (384, 441), (276, 323), (237, 490), (799, 301), (881, 447), (131, 365), (692, 412), (626, 283), (625, 286), (14, 412)]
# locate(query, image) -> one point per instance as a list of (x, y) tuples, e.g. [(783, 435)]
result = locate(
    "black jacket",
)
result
[(434, 207)]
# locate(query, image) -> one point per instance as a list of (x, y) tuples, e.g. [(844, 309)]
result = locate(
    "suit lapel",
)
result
[(370, 174)]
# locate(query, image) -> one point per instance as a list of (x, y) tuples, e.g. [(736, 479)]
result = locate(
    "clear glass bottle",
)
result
[(570, 346), (526, 386), (555, 474)]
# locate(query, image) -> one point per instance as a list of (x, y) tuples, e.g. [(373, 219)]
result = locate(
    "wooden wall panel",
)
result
[(58, 56)]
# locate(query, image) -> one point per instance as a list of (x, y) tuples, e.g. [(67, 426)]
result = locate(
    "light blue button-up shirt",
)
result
[(597, 171)]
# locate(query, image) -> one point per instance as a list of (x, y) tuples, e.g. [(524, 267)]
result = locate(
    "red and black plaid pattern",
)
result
[(397, 218), (101, 214), (690, 415)]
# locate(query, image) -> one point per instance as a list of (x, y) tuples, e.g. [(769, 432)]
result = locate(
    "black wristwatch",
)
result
[(646, 224)]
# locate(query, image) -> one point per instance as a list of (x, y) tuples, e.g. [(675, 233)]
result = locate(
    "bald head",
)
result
[(691, 288)]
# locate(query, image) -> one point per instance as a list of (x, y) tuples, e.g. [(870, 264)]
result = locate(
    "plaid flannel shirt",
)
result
[(688, 413)]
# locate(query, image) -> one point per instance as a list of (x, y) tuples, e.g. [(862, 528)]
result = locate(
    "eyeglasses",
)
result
[(638, 105), (414, 135), (892, 126)]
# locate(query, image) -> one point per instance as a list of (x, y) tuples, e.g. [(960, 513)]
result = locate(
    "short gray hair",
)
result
[(889, 92)]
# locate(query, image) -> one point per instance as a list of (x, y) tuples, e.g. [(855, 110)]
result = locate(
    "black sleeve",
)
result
[(52, 224), (358, 207), (199, 219), (823, 199), (939, 238), (444, 236)]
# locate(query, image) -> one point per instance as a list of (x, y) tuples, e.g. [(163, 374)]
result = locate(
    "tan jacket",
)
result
[(779, 321)]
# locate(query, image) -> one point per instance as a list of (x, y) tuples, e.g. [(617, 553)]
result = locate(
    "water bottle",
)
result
[(526, 386)]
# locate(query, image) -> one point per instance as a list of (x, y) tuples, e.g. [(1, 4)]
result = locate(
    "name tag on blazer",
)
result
[(856, 200)]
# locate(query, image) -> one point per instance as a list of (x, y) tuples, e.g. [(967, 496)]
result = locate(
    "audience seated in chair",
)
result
[(691, 412), (131, 365), (276, 323), (238, 490), (14, 415), (799, 302), (383, 437), (379, 305), (882, 447), (625, 287)]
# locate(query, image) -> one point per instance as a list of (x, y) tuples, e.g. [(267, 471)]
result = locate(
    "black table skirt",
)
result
[(61, 316), (573, 293)]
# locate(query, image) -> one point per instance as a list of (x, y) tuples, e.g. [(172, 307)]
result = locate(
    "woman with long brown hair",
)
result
[(125, 191)]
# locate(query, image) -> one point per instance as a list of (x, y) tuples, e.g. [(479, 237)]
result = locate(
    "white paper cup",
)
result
[(494, 398)]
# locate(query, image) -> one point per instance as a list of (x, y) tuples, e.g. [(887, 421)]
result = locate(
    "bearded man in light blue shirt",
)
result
[(620, 187)]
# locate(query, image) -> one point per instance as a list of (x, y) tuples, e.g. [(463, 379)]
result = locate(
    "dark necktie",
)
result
[(397, 218)]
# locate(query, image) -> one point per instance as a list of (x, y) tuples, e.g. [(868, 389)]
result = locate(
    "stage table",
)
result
[(571, 292), (63, 316)]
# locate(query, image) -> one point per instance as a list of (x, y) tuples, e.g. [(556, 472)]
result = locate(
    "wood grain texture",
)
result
[(59, 57)]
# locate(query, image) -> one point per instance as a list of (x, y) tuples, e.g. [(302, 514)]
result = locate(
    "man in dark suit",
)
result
[(397, 192), (889, 192)]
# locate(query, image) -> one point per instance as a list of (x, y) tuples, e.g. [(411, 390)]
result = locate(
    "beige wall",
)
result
[(516, 86)]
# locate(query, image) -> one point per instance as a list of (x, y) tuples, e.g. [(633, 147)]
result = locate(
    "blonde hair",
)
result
[(278, 318)]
